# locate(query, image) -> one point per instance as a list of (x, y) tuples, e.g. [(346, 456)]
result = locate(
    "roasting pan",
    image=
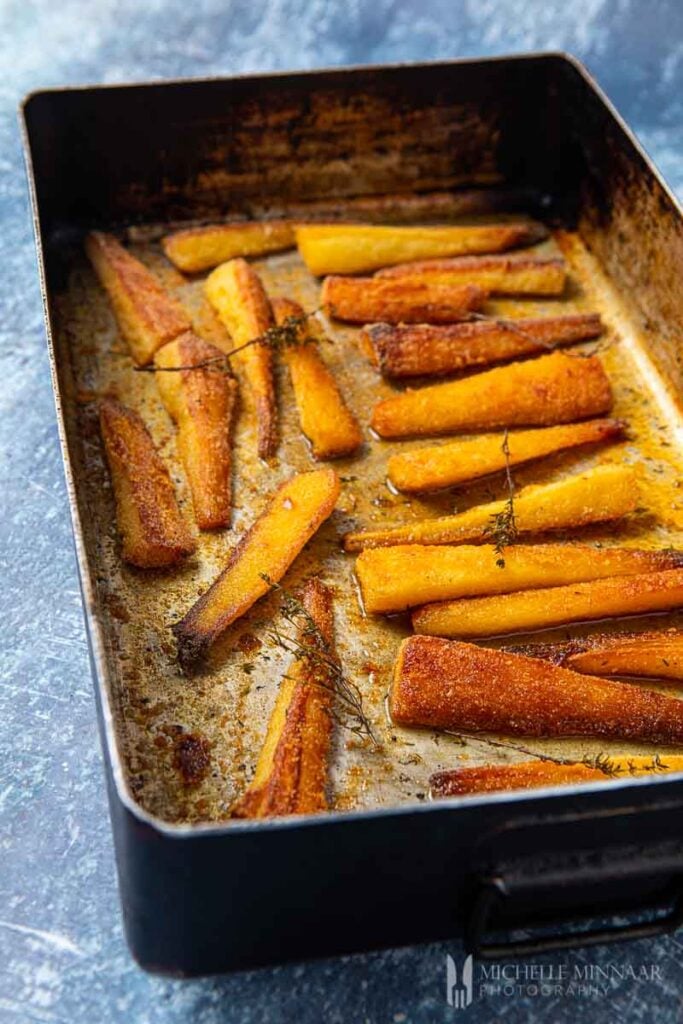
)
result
[(202, 898)]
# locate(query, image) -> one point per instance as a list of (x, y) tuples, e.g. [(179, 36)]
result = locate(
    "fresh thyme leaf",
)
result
[(502, 526), (308, 644), (285, 335)]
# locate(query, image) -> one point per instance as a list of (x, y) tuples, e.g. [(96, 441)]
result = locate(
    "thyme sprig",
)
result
[(279, 336), (502, 529), (602, 762), (308, 644)]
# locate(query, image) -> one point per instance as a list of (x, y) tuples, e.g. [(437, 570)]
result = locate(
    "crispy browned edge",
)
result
[(498, 777), (361, 299), (204, 388), (151, 490), (155, 310), (448, 684), (410, 350), (297, 779)]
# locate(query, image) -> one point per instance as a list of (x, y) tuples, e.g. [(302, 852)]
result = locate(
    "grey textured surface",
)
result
[(62, 954)]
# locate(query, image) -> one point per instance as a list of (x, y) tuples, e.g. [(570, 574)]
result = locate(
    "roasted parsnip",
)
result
[(603, 493), (291, 772), (500, 275), (292, 516), (553, 606), (422, 350), (153, 531), (235, 291), (444, 684), (357, 248), (446, 465), (396, 578), (325, 419), (360, 299), (202, 403), (556, 388), (657, 655), (196, 249), (533, 774), (147, 316)]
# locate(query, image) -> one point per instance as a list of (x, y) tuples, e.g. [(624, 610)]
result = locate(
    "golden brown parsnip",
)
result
[(153, 531), (357, 248), (290, 519), (657, 655), (456, 462), (553, 606), (603, 493), (496, 778), (444, 684), (325, 418), (291, 772), (196, 249), (423, 350), (501, 275), (360, 299), (147, 316), (202, 403), (235, 291), (556, 388), (393, 579)]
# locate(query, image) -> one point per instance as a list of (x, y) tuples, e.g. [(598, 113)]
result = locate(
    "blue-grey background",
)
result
[(62, 954)]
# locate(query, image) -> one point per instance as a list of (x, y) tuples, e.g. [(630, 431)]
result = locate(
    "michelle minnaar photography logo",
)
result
[(467, 981)]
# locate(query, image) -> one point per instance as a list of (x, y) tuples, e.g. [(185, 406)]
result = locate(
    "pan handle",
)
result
[(495, 891)]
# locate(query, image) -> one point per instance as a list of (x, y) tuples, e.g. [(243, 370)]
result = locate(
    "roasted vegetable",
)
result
[(393, 579), (235, 291), (356, 248), (423, 350), (292, 516), (359, 299), (202, 403), (444, 684), (556, 388), (147, 316), (603, 493), (533, 774), (291, 773), (325, 418), (195, 249), (658, 655), (503, 275), (553, 606), (153, 531), (445, 465)]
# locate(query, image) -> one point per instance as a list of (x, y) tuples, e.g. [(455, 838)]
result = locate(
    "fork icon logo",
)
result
[(459, 995)]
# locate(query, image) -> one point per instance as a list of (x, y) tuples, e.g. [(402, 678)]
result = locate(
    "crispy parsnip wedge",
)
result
[(500, 275), (430, 469), (291, 772), (534, 774), (556, 388), (603, 493), (196, 249), (202, 403), (422, 350), (235, 291), (393, 579), (357, 248), (292, 516), (445, 684), (147, 316), (153, 531), (654, 655), (325, 418), (360, 299), (553, 606)]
